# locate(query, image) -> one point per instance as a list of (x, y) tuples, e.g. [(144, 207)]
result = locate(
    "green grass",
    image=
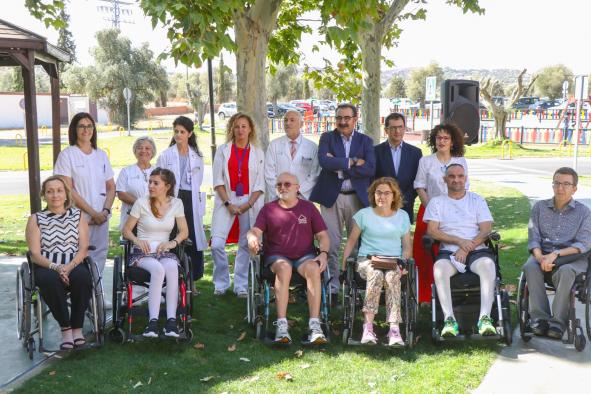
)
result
[(457, 368)]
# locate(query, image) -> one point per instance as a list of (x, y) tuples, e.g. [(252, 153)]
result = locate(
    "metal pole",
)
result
[(128, 120), (211, 111), (576, 133), (431, 114)]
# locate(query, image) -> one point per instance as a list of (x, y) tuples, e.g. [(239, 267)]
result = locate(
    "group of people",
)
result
[(267, 197)]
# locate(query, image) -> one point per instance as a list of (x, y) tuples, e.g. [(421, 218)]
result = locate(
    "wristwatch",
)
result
[(323, 251), (226, 203), (557, 253), (354, 159), (108, 210)]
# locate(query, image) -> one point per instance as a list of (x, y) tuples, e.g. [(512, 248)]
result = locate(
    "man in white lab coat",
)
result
[(294, 154)]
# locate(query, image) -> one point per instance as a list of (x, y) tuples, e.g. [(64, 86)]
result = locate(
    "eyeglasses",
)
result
[(395, 128), (557, 184), (85, 127), (345, 118), (286, 185), (379, 193), (443, 138)]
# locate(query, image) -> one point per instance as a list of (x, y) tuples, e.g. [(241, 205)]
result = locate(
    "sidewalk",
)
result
[(541, 365)]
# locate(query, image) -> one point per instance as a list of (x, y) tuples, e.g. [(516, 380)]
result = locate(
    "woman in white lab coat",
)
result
[(239, 182), (185, 160)]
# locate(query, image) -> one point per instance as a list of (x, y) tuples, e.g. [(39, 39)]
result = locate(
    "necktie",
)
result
[(292, 149)]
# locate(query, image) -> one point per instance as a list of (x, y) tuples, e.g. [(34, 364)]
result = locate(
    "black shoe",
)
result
[(555, 332), (170, 329), (540, 328), (151, 330)]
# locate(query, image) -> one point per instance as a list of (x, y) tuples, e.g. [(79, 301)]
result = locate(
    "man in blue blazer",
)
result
[(399, 160), (347, 166)]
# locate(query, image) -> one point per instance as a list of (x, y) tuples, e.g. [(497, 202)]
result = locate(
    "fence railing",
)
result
[(536, 135)]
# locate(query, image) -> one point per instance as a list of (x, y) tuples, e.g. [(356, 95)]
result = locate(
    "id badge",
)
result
[(239, 190)]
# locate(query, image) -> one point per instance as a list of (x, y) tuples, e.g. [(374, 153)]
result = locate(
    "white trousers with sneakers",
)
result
[(160, 269)]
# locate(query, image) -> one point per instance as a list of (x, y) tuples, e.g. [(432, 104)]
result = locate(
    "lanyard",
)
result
[(240, 159)]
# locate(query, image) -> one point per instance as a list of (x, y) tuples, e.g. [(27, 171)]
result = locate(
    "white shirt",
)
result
[(459, 218), (430, 175), (132, 180), (153, 229), (304, 165), (89, 173), (346, 186)]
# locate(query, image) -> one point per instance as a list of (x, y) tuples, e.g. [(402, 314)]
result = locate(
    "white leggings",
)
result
[(159, 269), (484, 267)]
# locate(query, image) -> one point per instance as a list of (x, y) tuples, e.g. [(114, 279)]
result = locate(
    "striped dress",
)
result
[(59, 234)]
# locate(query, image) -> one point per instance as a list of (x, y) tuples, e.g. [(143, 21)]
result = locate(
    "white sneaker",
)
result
[(394, 337), (316, 334), (282, 333), (368, 337)]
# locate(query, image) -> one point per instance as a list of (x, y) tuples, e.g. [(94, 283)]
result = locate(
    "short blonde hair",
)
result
[(68, 202), (252, 137), (141, 140), (397, 201)]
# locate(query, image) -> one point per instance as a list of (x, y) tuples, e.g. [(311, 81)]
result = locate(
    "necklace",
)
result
[(145, 172)]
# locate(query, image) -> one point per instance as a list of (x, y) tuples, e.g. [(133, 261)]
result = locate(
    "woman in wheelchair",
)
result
[(57, 238), (155, 217), (384, 228)]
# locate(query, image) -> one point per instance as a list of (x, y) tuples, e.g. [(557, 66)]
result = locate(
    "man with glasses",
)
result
[(347, 163), (559, 226), (398, 160), (291, 153), (289, 226)]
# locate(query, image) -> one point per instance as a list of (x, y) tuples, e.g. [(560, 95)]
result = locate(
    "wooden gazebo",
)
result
[(20, 47)]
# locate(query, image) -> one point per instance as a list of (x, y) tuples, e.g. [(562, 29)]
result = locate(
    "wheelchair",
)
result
[(258, 311), (31, 311), (353, 285), (581, 290), (465, 293), (126, 305)]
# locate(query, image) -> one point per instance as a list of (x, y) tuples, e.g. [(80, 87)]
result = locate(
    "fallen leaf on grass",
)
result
[(305, 366), (244, 359), (253, 379), (299, 353), (232, 347), (511, 288), (284, 376), (371, 384), (150, 380), (199, 346), (138, 384), (51, 373), (206, 379), (242, 336)]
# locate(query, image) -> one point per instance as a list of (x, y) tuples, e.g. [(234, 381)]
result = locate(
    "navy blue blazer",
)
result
[(407, 171), (328, 185)]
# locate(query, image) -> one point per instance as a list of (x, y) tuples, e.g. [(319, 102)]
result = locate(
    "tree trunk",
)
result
[(371, 47), (500, 117), (252, 29)]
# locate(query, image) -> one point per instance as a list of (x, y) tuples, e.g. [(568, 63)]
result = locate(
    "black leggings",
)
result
[(195, 255), (54, 291)]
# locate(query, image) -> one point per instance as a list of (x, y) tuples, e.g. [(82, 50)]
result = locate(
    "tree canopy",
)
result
[(550, 80), (416, 84)]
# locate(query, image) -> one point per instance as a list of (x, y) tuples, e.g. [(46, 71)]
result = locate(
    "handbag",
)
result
[(384, 262)]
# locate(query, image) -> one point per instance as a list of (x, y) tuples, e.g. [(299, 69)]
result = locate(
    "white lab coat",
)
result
[(304, 165), (222, 220), (169, 159)]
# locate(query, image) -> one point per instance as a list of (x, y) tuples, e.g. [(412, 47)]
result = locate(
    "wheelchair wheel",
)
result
[(117, 290), (30, 345), (23, 303), (588, 308), (186, 338), (580, 341), (523, 309), (251, 300), (117, 335), (99, 304)]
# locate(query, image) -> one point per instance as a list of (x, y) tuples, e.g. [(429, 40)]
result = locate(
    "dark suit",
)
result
[(328, 185), (407, 170), (337, 208)]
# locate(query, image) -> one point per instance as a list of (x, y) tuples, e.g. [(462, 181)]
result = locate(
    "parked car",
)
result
[(525, 102), (226, 110), (305, 105), (329, 104), (281, 109), (545, 104)]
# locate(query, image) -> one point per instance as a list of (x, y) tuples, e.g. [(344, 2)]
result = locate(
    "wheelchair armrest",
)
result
[(428, 242), (494, 236), (123, 241), (188, 242), (563, 260)]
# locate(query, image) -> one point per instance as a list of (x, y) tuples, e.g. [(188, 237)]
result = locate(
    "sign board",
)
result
[(581, 87), (431, 88), (564, 89), (127, 94)]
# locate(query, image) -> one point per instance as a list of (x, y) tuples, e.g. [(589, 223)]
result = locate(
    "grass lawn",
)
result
[(166, 366)]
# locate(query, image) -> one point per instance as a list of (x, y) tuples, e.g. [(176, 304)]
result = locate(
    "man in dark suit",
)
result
[(347, 166), (399, 160)]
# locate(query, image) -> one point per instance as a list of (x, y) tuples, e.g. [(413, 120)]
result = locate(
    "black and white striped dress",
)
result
[(59, 234)]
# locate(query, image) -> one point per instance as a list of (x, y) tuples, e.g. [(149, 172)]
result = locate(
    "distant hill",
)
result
[(504, 75)]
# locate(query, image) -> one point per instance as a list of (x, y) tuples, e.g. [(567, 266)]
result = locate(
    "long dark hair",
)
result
[(189, 126), (168, 178), (72, 129), (457, 138)]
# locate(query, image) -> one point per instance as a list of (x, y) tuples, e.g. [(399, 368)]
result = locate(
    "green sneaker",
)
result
[(485, 326), (450, 328)]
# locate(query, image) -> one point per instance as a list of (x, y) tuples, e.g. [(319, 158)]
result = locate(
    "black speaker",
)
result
[(459, 105)]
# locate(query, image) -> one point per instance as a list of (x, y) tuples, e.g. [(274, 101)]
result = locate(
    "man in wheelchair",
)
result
[(289, 226), (558, 227), (462, 222)]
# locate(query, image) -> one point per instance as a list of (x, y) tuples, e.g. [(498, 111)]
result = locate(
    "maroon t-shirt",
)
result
[(289, 232)]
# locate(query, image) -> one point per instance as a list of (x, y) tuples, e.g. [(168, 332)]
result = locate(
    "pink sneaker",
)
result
[(394, 338), (368, 336)]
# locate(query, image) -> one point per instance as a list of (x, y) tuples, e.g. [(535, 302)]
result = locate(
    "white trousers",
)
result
[(99, 238), (160, 269)]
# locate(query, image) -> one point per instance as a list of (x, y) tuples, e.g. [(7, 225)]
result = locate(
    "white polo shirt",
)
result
[(430, 174)]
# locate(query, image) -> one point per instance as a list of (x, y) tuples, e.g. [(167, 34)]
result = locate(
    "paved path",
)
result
[(541, 365)]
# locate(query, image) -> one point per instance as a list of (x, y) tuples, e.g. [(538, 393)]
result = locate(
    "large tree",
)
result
[(550, 80), (252, 30), (279, 81), (396, 87), (66, 41), (224, 82), (118, 65), (416, 83), (501, 110)]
